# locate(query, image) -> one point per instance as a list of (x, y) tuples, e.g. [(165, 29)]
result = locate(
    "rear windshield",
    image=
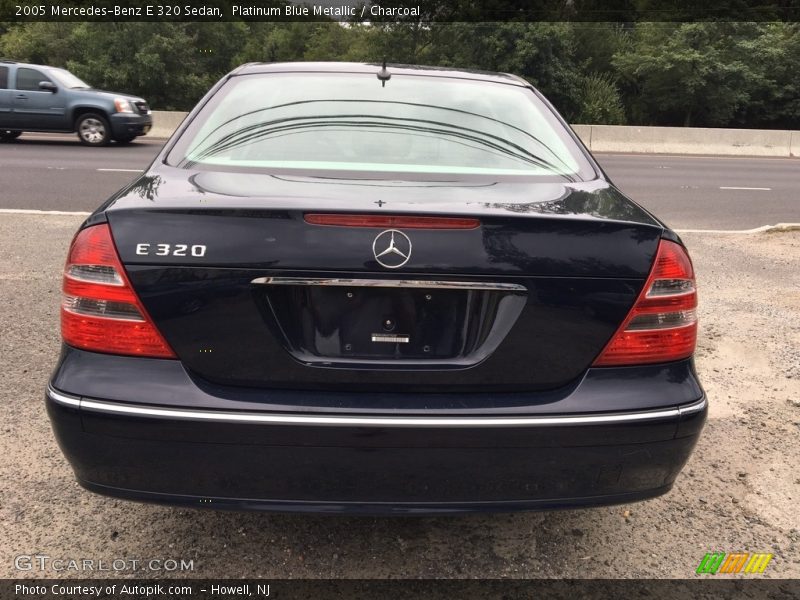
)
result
[(350, 122)]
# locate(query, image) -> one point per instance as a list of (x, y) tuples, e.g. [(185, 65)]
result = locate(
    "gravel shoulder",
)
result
[(739, 492)]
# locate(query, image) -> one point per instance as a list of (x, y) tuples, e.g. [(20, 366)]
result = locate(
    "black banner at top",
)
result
[(363, 11)]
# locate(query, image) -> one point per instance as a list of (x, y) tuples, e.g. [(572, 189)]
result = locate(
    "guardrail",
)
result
[(165, 123), (625, 138), (690, 140)]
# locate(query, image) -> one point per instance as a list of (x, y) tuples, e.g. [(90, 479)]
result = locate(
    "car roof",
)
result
[(395, 69), (19, 63)]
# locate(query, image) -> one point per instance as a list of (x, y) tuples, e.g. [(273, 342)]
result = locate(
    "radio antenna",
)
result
[(384, 75)]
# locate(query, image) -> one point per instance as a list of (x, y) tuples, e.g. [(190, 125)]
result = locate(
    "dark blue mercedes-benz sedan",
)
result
[(369, 289)]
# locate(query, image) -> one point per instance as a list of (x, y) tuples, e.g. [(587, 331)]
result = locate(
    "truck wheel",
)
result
[(7, 136), (93, 129)]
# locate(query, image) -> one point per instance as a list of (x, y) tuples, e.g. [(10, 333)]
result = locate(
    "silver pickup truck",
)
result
[(49, 99)]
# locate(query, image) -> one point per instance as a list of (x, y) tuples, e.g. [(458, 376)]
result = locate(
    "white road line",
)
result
[(762, 229), (722, 187), (121, 170), (695, 156), (51, 136), (22, 211)]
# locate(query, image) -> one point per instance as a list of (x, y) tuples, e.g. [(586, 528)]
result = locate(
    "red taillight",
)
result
[(662, 325), (392, 221), (100, 311)]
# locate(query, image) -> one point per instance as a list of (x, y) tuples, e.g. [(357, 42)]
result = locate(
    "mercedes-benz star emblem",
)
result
[(391, 248)]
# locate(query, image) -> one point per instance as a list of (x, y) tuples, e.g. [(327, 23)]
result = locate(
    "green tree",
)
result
[(596, 44), (774, 90), (687, 73), (600, 101), (701, 74), (351, 42), (170, 64), (542, 53), (275, 42), (39, 42)]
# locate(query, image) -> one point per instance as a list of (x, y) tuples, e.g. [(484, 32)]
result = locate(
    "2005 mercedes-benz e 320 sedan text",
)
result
[(348, 288)]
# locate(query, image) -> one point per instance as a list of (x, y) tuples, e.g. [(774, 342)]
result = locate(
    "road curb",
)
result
[(25, 211)]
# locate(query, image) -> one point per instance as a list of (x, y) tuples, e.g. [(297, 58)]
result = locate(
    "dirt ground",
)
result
[(739, 492)]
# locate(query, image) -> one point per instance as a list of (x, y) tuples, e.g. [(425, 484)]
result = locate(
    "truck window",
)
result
[(28, 79)]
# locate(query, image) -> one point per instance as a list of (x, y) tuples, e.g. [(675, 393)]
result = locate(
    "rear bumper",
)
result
[(125, 124), (386, 462)]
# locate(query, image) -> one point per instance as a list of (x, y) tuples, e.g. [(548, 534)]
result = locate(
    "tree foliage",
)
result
[(712, 74), (701, 74), (600, 101)]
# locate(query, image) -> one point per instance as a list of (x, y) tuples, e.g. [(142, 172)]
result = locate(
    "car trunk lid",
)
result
[(248, 290)]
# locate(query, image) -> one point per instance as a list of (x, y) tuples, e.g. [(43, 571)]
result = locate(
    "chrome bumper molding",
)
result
[(64, 399), (103, 406), (391, 283)]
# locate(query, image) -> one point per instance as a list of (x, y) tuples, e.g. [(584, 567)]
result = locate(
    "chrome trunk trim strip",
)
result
[(391, 283)]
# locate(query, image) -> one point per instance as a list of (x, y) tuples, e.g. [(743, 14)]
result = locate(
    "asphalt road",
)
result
[(57, 173)]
